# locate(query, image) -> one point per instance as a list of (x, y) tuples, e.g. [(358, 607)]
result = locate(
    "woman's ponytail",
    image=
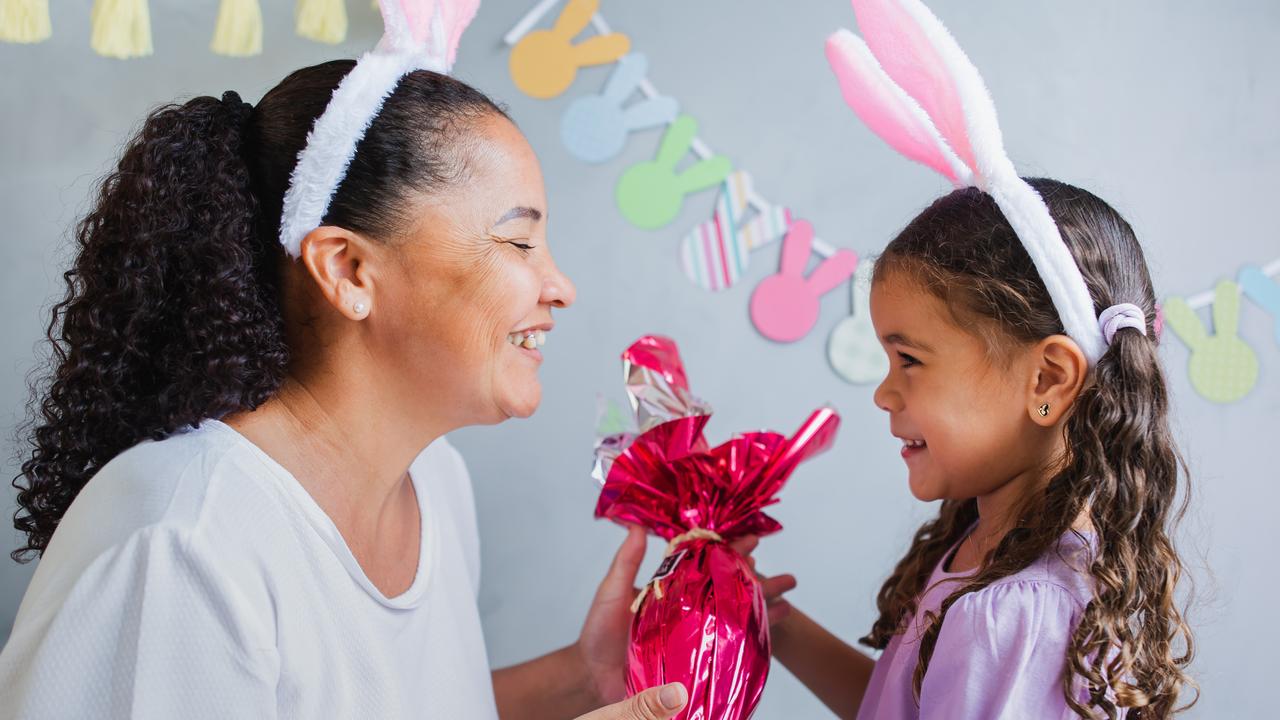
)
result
[(170, 315)]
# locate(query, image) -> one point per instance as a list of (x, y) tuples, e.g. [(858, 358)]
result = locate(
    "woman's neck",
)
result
[(348, 445)]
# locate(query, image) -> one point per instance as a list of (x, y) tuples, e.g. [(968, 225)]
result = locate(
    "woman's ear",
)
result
[(1059, 370), (336, 259)]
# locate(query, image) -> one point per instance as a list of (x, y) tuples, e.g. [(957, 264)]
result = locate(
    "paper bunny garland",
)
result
[(913, 86), (595, 127), (545, 62), (784, 307), (418, 35), (1262, 290), (899, 104), (715, 254), (651, 194), (1222, 367), (854, 349)]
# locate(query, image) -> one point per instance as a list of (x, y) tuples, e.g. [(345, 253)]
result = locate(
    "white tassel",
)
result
[(322, 20), (121, 28), (24, 21), (239, 29)]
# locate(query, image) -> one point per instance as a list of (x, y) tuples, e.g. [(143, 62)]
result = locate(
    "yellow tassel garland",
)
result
[(239, 29), (24, 21), (121, 28), (322, 20)]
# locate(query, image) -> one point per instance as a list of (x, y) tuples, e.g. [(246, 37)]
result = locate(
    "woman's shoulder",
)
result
[(173, 484)]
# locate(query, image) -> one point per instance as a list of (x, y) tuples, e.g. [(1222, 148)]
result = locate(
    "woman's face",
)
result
[(469, 293)]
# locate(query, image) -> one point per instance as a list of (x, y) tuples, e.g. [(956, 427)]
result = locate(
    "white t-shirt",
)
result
[(195, 578)]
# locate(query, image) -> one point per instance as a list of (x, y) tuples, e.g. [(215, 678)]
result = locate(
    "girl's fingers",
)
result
[(778, 611), (746, 544), (775, 586)]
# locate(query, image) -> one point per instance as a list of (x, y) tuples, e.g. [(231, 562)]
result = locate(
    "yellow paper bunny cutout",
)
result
[(545, 62)]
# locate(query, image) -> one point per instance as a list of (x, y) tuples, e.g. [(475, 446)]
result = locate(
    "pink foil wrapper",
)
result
[(705, 624)]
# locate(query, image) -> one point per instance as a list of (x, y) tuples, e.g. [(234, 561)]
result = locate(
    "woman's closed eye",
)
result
[(518, 243)]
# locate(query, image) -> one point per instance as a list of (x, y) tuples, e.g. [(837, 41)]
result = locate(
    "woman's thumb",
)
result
[(658, 703)]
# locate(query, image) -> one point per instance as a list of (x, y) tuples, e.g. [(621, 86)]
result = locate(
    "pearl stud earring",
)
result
[(359, 308)]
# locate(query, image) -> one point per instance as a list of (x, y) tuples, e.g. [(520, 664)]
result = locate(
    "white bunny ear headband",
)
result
[(418, 35), (913, 86)]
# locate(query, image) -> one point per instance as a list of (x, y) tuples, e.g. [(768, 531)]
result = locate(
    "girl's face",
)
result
[(474, 285), (961, 415)]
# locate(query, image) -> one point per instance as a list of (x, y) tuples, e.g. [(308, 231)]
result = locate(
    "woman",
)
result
[(230, 447)]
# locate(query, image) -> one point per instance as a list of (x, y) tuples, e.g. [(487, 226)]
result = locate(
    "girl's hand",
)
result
[(773, 587)]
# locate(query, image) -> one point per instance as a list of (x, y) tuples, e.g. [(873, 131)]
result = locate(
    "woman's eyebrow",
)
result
[(900, 339), (529, 213)]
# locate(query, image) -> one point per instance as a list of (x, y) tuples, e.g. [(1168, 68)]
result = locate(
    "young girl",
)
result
[(1027, 391), (1044, 588)]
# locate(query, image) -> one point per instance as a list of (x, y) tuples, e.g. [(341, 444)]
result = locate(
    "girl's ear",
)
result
[(1059, 372)]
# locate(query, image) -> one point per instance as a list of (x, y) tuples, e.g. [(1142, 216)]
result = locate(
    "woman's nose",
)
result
[(557, 289)]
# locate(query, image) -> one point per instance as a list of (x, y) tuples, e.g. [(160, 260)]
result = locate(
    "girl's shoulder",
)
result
[(1059, 579)]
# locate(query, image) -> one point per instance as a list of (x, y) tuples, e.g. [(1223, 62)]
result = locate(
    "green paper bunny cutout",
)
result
[(1223, 368), (651, 194)]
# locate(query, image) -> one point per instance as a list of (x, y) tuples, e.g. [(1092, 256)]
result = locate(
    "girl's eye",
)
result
[(907, 360)]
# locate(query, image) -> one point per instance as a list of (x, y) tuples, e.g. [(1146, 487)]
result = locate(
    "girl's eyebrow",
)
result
[(529, 213), (900, 339)]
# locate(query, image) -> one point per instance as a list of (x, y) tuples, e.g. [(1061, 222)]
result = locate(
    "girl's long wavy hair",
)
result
[(172, 311), (1131, 647)]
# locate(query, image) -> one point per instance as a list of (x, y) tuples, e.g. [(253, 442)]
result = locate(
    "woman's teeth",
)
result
[(530, 340)]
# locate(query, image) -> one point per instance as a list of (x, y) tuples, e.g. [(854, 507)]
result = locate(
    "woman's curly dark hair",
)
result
[(172, 312), (1131, 647)]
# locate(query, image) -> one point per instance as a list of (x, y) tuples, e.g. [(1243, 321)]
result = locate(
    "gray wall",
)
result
[(1168, 110)]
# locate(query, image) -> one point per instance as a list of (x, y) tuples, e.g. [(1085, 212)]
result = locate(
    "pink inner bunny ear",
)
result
[(396, 34), (457, 15), (887, 110), (916, 50)]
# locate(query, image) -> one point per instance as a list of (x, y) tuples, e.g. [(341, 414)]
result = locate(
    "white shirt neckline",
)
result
[(328, 531)]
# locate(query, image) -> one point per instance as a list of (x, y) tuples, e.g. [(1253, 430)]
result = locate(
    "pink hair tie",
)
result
[(1118, 317)]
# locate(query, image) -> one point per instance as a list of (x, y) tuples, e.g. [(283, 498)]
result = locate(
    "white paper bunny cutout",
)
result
[(784, 307), (853, 349), (418, 35), (594, 128), (914, 87)]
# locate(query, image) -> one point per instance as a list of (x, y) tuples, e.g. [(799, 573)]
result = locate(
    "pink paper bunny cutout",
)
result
[(784, 307)]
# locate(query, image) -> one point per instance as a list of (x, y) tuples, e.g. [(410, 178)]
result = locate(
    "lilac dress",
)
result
[(1001, 652)]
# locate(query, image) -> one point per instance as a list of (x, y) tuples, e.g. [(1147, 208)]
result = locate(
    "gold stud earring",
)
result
[(1044, 410)]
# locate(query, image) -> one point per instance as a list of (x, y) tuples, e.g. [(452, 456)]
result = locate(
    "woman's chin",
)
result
[(524, 404)]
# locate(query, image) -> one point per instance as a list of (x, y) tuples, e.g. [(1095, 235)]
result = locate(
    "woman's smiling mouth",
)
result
[(530, 339)]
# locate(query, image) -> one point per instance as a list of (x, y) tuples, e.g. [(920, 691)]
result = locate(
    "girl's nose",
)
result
[(886, 398)]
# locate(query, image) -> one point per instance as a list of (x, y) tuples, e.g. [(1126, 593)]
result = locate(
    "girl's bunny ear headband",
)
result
[(913, 86), (418, 35)]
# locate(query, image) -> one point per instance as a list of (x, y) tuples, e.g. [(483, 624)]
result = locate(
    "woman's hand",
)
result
[(603, 642), (657, 703)]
